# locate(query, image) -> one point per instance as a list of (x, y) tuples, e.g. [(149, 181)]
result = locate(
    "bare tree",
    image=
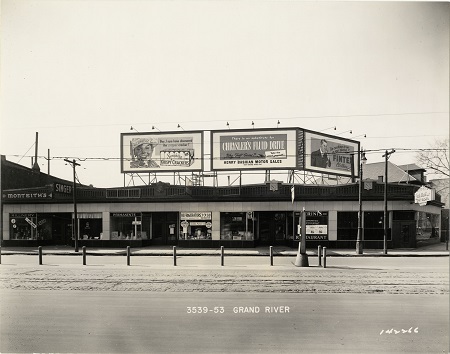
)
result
[(436, 159)]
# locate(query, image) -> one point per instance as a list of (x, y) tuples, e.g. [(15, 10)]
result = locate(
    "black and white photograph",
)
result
[(224, 176)]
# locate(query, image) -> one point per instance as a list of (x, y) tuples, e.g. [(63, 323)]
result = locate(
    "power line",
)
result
[(129, 159), (249, 119)]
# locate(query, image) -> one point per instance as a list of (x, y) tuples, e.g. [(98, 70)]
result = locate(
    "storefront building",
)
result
[(200, 216)]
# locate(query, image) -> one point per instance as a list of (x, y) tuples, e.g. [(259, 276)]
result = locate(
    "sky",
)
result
[(80, 73)]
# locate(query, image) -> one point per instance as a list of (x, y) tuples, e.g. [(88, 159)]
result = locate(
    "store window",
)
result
[(90, 225), (196, 226), (237, 226), (126, 226), (427, 225), (374, 226), (23, 226), (347, 225)]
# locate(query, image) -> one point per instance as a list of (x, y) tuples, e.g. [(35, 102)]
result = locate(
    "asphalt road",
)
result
[(355, 305)]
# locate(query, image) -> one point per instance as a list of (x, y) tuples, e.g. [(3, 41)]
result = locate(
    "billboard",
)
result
[(330, 154), (254, 149), (157, 152)]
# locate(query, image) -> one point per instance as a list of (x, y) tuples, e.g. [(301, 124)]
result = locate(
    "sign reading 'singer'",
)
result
[(154, 152)]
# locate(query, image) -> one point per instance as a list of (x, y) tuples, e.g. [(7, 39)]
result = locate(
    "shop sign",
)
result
[(136, 223), (196, 215), (184, 224), (124, 215), (63, 188), (30, 222), (316, 226), (198, 223), (424, 195), (42, 222), (23, 215), (42, 195)]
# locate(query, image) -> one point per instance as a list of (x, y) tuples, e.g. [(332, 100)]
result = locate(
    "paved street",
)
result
[(393, 275), (355, 305)]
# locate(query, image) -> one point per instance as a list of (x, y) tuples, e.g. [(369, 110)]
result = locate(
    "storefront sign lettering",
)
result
[(123, 215), (22, 215), (423, 195), (42, 222), (42, 195), (30, 222), (316, 226), (196, 216), (63, 188)]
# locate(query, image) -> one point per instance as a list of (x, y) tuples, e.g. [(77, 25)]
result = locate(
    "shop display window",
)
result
[(197, 232), (23, 227), (347, 223), (196, 226), (236, 226), (374, 227), (427, 226), (126, 226)]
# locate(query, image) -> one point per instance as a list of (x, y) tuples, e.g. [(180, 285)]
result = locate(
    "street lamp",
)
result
[(386, 156), (359, 237)]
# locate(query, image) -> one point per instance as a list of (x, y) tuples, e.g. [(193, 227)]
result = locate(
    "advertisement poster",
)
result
[(154, 152), (254, 149), (316, 226), (331, 154)]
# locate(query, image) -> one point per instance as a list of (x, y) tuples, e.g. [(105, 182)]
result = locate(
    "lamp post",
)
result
[(359, 237), (386, 156)]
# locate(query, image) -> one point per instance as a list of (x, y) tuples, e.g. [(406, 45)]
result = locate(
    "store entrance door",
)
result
[(272, 228), (404, 233), (164, 228)]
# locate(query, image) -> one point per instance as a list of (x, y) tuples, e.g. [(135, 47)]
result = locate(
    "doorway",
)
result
[(272, 228), (164, 228), (404, 234)]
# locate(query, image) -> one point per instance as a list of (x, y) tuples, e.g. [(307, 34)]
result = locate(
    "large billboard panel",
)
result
[(330, 154), (254, 149), (157, 152)]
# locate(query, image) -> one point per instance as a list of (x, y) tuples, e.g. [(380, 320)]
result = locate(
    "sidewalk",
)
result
[(432, 250)]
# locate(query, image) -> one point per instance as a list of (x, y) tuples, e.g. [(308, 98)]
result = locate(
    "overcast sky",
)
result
[(82, 72)]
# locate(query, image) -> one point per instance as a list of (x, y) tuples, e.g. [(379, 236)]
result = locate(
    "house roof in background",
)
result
[(411, 167), (395, 173)]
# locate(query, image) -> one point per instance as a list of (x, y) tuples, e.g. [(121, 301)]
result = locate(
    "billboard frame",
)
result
[(235, 167), (355, 160), (199, 134)]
